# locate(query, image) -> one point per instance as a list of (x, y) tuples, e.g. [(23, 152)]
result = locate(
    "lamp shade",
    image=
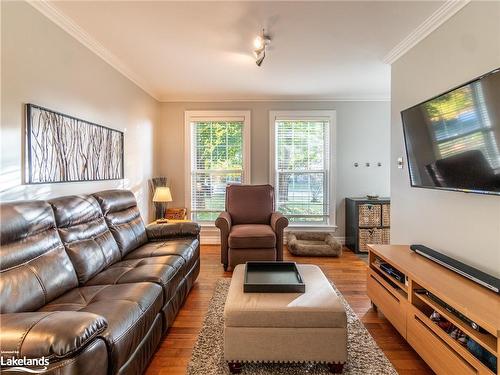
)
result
[(162, 194)]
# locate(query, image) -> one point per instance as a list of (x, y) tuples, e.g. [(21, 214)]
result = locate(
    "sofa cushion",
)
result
[(86, 237), (129, 309), (186, 249), (164, 271), (245, 236), (250, 204), (123, 218), (35, 268)]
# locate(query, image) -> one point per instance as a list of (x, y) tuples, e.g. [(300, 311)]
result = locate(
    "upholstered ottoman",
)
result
[(285, 327)]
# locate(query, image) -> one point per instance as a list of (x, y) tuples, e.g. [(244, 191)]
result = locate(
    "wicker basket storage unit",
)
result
[(386, 215), (386, 236), (369, 215), (369, 236), (367, 221)]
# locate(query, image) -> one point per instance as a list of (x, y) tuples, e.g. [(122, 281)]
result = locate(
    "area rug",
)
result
[(363, 354)]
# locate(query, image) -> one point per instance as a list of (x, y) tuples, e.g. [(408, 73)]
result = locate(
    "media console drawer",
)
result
[(390, 302), (438, 354)]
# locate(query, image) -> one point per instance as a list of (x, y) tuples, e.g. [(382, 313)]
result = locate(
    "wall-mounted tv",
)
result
[(453, 140)]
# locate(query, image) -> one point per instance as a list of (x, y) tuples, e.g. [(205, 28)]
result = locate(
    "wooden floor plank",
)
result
[(347, 272)]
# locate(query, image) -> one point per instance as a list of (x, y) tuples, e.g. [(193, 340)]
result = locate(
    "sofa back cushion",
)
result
[(250, 204), (34, 267), (123, 218), (85, 235)]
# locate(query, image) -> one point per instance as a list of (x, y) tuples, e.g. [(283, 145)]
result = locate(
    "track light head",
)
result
[(260, 43)]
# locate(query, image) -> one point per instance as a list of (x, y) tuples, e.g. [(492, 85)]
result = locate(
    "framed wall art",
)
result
[(62, 148)]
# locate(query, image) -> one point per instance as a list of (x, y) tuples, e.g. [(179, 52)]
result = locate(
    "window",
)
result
[(302, 166), (218, 145)]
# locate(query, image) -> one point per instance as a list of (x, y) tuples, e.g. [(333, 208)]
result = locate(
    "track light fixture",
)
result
[(260, 44)]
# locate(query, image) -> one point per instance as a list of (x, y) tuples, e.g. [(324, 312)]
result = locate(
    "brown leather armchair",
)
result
[(250, 229)]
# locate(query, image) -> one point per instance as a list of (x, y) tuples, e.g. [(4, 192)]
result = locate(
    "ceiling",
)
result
[(202, 51)]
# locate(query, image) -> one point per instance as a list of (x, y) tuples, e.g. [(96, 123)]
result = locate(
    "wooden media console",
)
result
[(426, 288)]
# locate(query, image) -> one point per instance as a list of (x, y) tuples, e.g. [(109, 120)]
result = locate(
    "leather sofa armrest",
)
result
[(279, 223), (159, 232), (56, 334), (224, 223)]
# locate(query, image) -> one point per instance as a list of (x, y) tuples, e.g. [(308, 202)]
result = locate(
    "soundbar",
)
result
[(463, 269)]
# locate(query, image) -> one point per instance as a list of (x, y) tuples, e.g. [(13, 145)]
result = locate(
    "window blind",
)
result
[(302, 169), (216, 160)]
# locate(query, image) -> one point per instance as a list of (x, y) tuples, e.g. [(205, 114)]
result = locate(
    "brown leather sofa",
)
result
[(250, 229), (86, 284)]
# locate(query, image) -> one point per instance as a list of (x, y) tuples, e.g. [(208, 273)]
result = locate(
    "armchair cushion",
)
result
[(160, 232), (250, 204), (246, 236), (49, 334)]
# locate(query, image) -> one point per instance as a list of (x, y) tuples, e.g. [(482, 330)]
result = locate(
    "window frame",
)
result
[(329, 115), (214, 115)]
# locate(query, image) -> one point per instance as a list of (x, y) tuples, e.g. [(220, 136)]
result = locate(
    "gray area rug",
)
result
[(364, 355)]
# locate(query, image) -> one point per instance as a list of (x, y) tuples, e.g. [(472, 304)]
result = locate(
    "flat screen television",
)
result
[(453, 140)]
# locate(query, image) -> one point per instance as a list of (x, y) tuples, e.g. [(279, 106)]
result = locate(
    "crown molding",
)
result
[(68, 25), (436, 19), (229, 100)]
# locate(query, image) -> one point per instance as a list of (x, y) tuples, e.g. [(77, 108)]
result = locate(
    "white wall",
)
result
[(363, 133), (42, 64), (464, 226)]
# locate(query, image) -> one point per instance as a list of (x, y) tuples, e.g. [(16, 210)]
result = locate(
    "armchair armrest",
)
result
[(224, 223), (279, 223), (55, 334), (159, 232)]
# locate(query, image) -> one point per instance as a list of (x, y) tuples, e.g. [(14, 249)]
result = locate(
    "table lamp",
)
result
[(162, 195)]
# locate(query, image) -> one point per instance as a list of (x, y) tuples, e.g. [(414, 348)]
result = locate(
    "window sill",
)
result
[(311, 228)]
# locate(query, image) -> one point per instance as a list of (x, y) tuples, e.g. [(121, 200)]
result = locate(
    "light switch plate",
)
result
[(400, 163)]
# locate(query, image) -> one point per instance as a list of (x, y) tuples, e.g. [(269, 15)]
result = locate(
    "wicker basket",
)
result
[(176, 213), (369, 215), (386, 236), (386, 215), (369, 236)]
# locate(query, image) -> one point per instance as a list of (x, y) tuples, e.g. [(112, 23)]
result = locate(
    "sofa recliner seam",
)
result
[(28, 329)]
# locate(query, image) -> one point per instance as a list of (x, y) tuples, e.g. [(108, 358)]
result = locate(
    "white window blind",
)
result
[(302, 169), (217, 159)]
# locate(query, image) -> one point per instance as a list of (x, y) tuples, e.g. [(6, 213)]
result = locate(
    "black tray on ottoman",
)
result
[(273, 277)]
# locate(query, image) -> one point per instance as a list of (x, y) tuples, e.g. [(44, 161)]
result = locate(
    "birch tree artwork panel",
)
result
[(61, 148)]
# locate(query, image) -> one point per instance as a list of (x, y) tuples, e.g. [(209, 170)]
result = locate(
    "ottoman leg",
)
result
[(235, 367), (336, 368)]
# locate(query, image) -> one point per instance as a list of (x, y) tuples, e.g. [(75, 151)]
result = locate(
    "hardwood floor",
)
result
[(347, 272)]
